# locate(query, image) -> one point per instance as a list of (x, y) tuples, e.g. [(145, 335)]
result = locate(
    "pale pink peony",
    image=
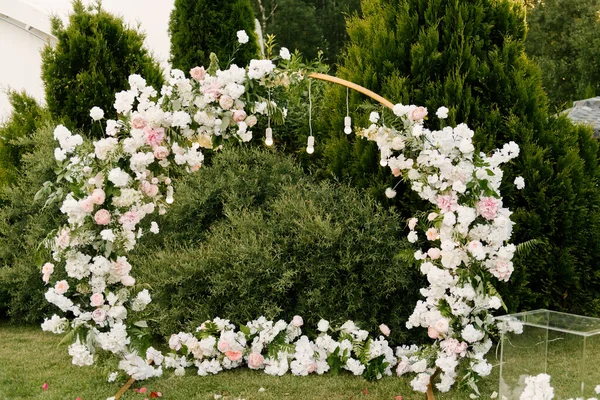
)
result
[(501, 269), (97, 300), (175, 342), (121, 267), (127, 280), (98, 196), (239, 115), (384, 329), (223, 346), (154, 137), (453, 346), (447, 202), (161, 152), (99, 315), (86, 205), (226, 102), (129, 220), (432, 234), (149, 189), (138, 122), (61, 287), (233, 355), (255, 360), (403, 367), (488, 207), (297, 321), (102, 217), (418, 113), (198, 73), (432, 332)]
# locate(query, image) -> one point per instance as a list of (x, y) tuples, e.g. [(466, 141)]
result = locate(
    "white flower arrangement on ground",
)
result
[(119, 183)]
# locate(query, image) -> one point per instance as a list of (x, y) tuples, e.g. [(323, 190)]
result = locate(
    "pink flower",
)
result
[(154, 137), (198, 73), (226, 102), (175, 342), (98, 196), (223, 346), (213, 89), (142, 390), (255, 360), (121, 267), (432, 332), (251, 121), (149, 189), (63, 238), (86, 205), (46, 278), (432, 216), (97, 300), (161, 152), (99, 315), (129, 220), (396, 172), (233, 355), (61, 287), (311, 368), (501, 269), (384, 329), (447, 202), (45, 386), (403, 367), (127, 280), (432, 234), (48, 268), (418, 113), (139, 122), (487, 207), (297, 321), (102, 217), (412, 223), (434, 253), (239, 115)]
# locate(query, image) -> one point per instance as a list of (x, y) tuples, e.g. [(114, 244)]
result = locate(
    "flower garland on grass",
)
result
[(119, 182)]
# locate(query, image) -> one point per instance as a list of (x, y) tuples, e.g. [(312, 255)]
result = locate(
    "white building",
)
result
[(24, 30)]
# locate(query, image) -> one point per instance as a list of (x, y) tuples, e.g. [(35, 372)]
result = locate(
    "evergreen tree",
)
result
[(201, 27), (564, 39), (92, 61), (469, 55)]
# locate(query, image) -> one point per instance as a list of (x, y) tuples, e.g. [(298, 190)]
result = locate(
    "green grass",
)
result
[(30, 357)]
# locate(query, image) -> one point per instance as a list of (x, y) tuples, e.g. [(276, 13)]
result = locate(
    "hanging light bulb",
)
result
[(383, 162), (310, 148), (269, 137), (348, 125)]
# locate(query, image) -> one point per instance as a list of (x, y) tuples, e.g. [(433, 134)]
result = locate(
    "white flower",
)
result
[(96, 113), (81, 355), (400, 109), (141, 301), (55, 324), (390, 193), (108, 235), (374, 117), (412, 236), (242, 37), (323, 325), (113, 376), (471, 334), (258, 69), (442, 113), (519, 182), (119, 177), (284, 53), (154, 227)]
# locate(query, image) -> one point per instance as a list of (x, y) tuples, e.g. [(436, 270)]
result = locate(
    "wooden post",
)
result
[(429, 394), (124, 388)]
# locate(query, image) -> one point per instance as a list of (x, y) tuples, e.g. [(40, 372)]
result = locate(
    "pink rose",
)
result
[(167, 181), (311, 368), (384, 329), (433, 333), (396, 172), (487, 207), (447, 202), (86, 205), (434, 253), (403, 367), (213, 89), (198, 73), (139, 122), (98, 196), (233, 355), (97, 300), (127, 280), (102, 217), (239, 115), (99, 315), (251, 121), (129, 220), (432, 234), (154, 181), (175, 342), (297, 321), (149, 189), (121, 267), (418, 113), (61, 287), (255, 360), (223, 346), (63, 238), (154, 137), (48, 268), (161, 152), (226, 102), (195, 167)]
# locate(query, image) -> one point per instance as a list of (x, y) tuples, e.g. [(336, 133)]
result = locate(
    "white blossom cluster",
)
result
[(466, 237), (277, 348)]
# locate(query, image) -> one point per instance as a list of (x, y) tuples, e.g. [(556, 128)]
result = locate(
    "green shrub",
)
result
[(282, 245), (92, 61)]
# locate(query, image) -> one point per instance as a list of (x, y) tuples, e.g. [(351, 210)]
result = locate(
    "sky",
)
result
[(153, 15)]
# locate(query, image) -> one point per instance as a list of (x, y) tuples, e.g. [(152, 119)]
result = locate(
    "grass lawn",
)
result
[(30, 357)]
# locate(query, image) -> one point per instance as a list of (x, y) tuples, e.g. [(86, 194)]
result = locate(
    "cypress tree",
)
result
[(201, 27), (469, 55), (92, 61)]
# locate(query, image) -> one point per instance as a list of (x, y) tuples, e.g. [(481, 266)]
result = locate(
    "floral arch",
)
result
[(119, 182)]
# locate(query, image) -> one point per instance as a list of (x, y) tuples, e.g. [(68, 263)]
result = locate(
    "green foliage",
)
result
[(469, 56), (92, 61), (26, 117), (24, 224), (199, 27), (564, 39), (262, 238)]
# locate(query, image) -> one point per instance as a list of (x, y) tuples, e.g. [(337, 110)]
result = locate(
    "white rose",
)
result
[(96, 113), (242, 37), (323, 326)]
